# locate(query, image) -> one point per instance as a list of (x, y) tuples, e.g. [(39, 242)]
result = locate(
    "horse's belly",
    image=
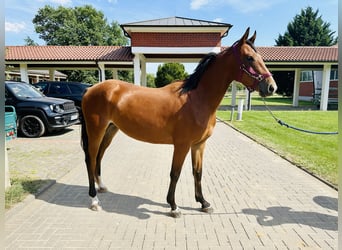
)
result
[(151, 136), (143, 129)]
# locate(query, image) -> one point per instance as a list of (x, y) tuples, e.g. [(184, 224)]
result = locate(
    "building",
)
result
[(174, 39), (34, 76)]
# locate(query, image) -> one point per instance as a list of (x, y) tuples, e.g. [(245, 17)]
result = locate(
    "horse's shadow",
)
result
[(274, 216), (77, 196)]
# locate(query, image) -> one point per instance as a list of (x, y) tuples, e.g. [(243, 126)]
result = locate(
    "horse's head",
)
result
[(252, 72)]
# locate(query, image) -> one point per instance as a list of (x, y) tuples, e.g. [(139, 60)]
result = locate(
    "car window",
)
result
[(75, 89), (42, 86), (57, 88), (24, 90)]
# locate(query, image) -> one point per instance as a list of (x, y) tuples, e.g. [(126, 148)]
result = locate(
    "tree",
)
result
[(81, 25), (168, 73), (30, 42), (307, 29), (150, 81)]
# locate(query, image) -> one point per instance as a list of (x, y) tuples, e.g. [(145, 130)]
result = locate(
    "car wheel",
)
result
[(31, 126)]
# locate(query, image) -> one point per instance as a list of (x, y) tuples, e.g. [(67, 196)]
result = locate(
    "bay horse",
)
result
[(182, 113)]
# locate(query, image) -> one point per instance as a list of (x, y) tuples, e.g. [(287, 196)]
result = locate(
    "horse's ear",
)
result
[(245, 36), (252, 39)]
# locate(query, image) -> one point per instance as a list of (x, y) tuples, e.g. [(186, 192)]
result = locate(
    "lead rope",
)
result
[(295, 128)]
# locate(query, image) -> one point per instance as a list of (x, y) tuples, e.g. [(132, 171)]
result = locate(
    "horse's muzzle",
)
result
[(267, 87)]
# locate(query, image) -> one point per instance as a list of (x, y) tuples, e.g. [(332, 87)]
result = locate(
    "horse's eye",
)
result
[(250, 59)]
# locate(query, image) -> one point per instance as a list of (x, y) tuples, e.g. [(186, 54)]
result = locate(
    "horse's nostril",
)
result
[(271, 89)]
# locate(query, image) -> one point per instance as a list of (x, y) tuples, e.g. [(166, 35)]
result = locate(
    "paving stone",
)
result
[(260, 200)]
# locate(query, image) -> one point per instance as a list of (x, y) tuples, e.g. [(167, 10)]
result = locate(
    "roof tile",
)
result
[(68, 53), (124, 54)]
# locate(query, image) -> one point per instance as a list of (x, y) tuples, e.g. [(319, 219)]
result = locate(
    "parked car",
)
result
[(36, 113), (67, 90)]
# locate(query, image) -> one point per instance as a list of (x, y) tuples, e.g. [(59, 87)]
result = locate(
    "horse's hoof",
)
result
[(208, 210), (102, 190), (176, 213), (95, 207), (95, 204)]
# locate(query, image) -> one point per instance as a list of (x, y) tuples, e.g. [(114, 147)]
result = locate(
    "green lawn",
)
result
[(315, 153)]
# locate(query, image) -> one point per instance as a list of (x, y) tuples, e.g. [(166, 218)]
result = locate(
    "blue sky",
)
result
[(268, 17)]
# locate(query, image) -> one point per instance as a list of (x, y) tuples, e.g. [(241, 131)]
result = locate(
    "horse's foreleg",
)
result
[(107, 139), (197, 158), (179, 155)]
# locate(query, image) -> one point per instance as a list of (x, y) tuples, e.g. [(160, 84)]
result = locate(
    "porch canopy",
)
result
[(173, 39)]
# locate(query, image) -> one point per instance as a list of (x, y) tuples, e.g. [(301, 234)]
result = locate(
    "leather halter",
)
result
[(249, 71)]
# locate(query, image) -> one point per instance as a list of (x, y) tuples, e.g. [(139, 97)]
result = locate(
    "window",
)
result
[(59, 89), (306, 76), (334, 74)]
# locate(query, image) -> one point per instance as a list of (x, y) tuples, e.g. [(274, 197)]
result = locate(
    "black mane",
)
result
[(192, 81)]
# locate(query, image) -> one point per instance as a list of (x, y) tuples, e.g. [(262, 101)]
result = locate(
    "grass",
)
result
[(20, 188), (275, 100), (315, 153)]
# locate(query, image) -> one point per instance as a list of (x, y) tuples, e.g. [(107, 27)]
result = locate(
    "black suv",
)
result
[(67, 90), (37, 113)]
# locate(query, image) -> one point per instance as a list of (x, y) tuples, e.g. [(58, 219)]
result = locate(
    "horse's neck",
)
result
[(215, 81)]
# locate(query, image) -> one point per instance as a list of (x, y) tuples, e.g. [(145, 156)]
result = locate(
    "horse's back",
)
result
[(146, 114)]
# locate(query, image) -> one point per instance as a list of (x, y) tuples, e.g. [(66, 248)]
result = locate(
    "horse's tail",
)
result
[(84, 138)]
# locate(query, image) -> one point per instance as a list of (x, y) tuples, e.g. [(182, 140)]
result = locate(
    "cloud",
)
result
[(218, 20), (245, 6), (197, 4), (15, 27), (59, 2)]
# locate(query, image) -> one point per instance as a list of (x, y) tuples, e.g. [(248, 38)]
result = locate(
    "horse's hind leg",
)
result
[(197, 158), (107, 139)]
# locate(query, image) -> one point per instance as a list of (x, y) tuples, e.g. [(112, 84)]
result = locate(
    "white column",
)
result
[(24, 73), (325, 87), (296, 88), (115, 74), (137, 71), (52, 74), (102, 75)]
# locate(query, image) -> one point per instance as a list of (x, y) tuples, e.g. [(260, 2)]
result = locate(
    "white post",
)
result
[(233, 103), (52, 74), (325, 87), (137, 72), (296, 88), (102, 75), (248, 104), (115, 74), (240, 110), (24, 73)]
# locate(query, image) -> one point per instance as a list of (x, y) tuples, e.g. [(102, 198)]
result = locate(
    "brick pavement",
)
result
[(260, 201)]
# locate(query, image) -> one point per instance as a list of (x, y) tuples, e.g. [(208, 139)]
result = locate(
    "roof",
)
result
[(123, 54), (177, 22), (299, 54), (68, 53)]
